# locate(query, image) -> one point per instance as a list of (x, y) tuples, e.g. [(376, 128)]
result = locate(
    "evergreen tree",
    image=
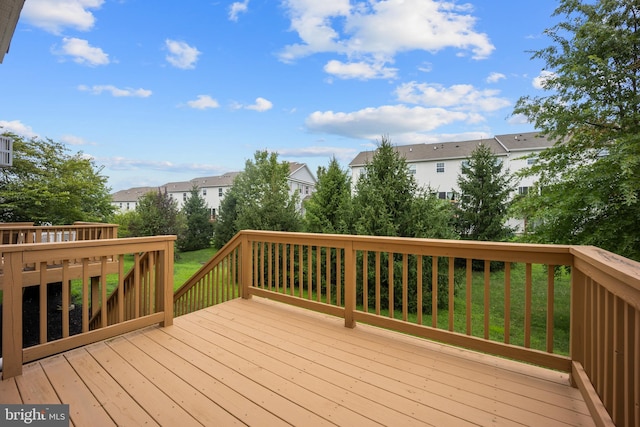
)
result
[(589, 186), (158, 215), (225, 226), (328, 210), (199, 229), (262, 200), (389, 202), (485, 189)]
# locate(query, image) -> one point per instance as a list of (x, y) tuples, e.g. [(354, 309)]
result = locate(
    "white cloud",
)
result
[(124, 163), (387, 119), (495, 77), (343, 155), (260, 105), (518, 119), (540, 81), (359, 70), (18, 128), (461, 97), (181, 55), (74, 140), (82, 52), (203, 102), (117, 92), (55, 15), (237, 8), (376, 31)]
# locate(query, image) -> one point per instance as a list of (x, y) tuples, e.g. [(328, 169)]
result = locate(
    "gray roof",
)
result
[(132, 194), (225, 180), (500, 145), (9, 14)]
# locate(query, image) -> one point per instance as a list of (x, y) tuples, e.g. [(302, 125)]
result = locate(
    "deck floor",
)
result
[(262, 363)]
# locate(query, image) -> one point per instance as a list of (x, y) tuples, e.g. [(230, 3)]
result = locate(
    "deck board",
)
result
[(258, 362)]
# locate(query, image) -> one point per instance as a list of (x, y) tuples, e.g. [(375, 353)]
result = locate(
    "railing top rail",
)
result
[(43, 247), (223, 252), (76, 225), (500, 251)]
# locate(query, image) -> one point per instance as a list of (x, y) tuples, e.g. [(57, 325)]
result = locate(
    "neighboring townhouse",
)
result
[(213, 188), (438, 165), (301, 180), (127, 200)]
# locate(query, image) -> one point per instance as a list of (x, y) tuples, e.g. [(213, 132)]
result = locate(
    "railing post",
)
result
[(577, 326), (246, 265), (349, 285), (12, 315), (167, 284)]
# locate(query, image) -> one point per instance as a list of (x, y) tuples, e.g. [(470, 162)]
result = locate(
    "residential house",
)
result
[(213, 188), (438, 165), (9, 14)]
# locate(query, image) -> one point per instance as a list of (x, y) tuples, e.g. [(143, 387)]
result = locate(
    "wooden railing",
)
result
[(26, 232), (215, 282), (389, 282), (90, 265)]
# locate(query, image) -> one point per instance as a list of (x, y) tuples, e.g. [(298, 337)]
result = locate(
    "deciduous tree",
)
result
[(589, 186), (46, 184)]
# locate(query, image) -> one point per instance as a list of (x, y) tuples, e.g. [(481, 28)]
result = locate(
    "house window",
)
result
[(442, 195), (204, 191), (184, 197), (465, 163), (412, 170), (219, 192), (120, 205), (127, 205), (531, 161), (306, 189), (440, 167), (213, 213), (523, 190)]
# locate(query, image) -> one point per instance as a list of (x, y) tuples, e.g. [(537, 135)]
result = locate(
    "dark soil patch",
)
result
[(31, 315)]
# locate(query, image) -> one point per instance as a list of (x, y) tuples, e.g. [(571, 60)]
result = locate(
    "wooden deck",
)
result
[(259, 362)]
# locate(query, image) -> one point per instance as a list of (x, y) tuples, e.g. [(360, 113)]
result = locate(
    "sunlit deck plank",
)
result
[(122, 408), (70, 387), (290, 401), (151, 398), (258, 362), (404, 358), (410, 386)]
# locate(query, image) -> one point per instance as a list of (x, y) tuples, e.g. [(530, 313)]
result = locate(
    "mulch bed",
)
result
[(31, 315)]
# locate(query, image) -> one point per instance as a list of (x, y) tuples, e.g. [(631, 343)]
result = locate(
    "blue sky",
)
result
[(160, 91)]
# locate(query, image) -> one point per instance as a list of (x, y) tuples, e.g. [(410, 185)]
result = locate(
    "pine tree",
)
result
[(199, 229), (485, 190), (328, 210)]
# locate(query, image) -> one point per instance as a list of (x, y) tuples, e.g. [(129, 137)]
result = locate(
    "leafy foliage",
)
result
[(328, 210), (158, 215), (46, 184), (388, 202), (589, 186), (485, 190), (261, 200), (199, 229)]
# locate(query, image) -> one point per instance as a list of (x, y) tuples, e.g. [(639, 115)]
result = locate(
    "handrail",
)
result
[(89, 262), (605, 338), (215, 282), (26, 232)]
